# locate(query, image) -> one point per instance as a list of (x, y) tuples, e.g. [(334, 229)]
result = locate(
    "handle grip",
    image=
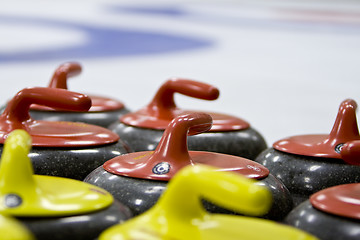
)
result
[(163, 103), (190, 88), (181, 202), (345, 127), (230, 190), (62, 73), (172, 147), (15, 157), (17, 110)]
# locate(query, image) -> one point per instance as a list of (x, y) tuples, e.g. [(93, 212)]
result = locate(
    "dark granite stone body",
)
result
[(304, 175), (103, 119), (247, 143), (75, 163), (141, 194), (323, 225), (77, 227)]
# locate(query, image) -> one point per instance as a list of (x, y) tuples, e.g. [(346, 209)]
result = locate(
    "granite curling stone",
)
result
[(65, 149), (179, 214), (142, 130), (309, 163), (330, 214), (138, 179), (52, 207)]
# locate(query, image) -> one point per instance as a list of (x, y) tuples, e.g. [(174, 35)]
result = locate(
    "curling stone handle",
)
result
[(172, 147), (15, 159), (345, 127), (163, 103), (182, 200), (62, 73), (17, 110), (190, 88)]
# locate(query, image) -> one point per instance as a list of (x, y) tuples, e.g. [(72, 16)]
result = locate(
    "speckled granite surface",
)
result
[(304, 175), (78, 227), (75, 163), (247, 143), (140, 194)]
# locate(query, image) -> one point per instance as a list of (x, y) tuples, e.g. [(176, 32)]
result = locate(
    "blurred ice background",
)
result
[(284, 66)]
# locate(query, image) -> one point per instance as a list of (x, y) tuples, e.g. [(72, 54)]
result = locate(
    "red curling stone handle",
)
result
[(62, 73), (163, 103), (17, 109)]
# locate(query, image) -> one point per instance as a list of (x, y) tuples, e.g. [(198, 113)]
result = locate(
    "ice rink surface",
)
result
[(284, 66)]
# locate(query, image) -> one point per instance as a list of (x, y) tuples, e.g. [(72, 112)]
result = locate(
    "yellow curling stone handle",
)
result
[(24, 194), (179, 214)]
